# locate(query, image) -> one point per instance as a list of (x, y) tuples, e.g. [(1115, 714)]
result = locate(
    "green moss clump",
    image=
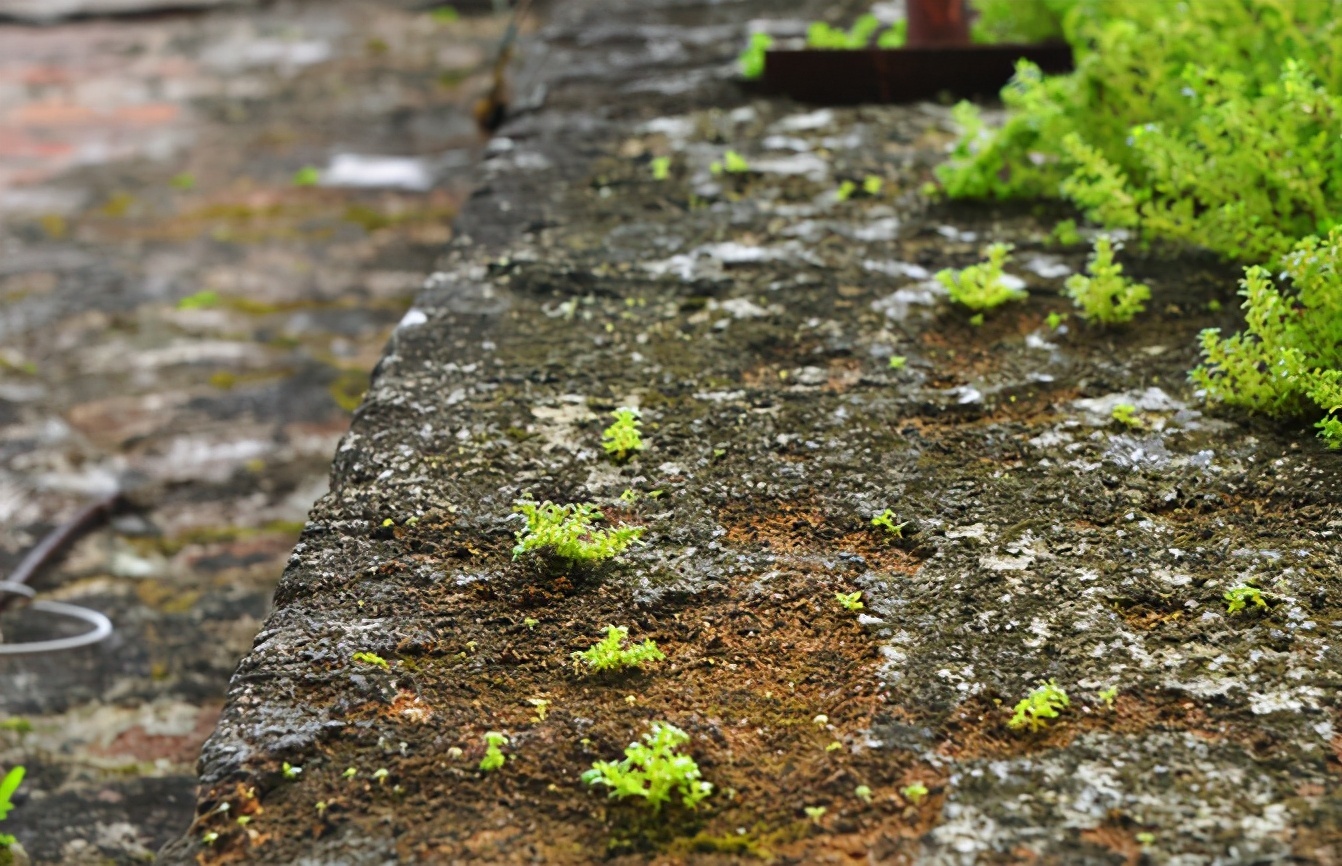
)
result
[(568, 532)]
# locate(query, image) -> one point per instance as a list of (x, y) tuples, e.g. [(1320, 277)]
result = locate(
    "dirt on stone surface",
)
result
[(181, 321), (752, 318)]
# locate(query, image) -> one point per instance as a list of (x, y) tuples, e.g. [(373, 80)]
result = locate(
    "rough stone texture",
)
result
[(54, 10), (219, 420), (752, 318)]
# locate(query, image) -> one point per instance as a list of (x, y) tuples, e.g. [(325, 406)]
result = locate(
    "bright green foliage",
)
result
[(849, 600), (894, 36), (567, 531), (661, 167), (845, 190), (734, 163), (1240, 597), (982, 287), (872, 185), (1126, 414), (622, 438), (653, 770), (307, 176), (1039, 706), (494, 757), (886, 520), (371, 659), (1109, 695), (199, 301), (1018, 20), (1288, 359), (897, 362), (1216, 122), (1055, 320), (822, 35), (815, 813), (1106, 296), (610, 653), (8, 785), (914, 793), (751, 61), (290, 771), (1065, 233), (863, 793)]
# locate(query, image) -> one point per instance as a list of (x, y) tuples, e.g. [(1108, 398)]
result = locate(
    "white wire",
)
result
[(102, 626)]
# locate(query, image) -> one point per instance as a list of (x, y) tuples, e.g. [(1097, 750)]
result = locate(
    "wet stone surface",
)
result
[(751, 317), (181, 322)]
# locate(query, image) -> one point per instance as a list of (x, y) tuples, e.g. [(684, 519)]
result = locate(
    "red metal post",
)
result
[(937, 22)]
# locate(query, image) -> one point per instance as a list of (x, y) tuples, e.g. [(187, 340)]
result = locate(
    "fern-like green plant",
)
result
[(1240, 597), (8, 785), (1040, 705), (983, 286), (610, 653), (653, 770), (1288, 359), (751, 61), (1105, 295), (494, 758), (623, 438), (569, 532)]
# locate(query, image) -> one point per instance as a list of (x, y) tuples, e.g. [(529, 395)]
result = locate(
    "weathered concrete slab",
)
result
[(752, 318)]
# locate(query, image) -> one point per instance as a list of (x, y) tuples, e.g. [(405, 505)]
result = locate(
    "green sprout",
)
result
[(290, 771), (530, 622), (371, 659), (445, 15), (1039, 706), (914, 793), (1055, 320), (983, 286), (1145, 838), (622, 439), (751, 61), (567, 532), (350, 772), (1065, 234), (886, 519), (17, 725), (845, 190), (1240, 597), (610, 654), (661, 167), (863, 793), (872, 185), (183, 181), (1109, 695), (822, 35), (494, 757), (849, 600), (380, 775), (209, 837), (653, 770), (897, 362), (199, 301), (732, 163), (815, 813), (1106, 296), (1126, 414), (8, 785), (307, 176)]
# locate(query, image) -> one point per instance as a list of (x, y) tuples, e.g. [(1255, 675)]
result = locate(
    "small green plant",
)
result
[(886, 521), (863, 793), (16, 725), (567, 531), (8, 785), (897, 362), (845, 191), (1065, 234), (291, 772), (623, 439), (494, 757), (1126, 414), (872, 185), (732, 163), (1055, 320), (202, 300), (751, 61), (369, 658), (530, 622), (183, 181), (914, 793), (1106, 296), (1039, 706), (653, 770), (445, 15), (815, 813), (209, 837), (307, 176), (610, 653), (828, 37), (350, 772), (1240, 597), (661, 167), (849, 600), (983, 286), (1109, 695)]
